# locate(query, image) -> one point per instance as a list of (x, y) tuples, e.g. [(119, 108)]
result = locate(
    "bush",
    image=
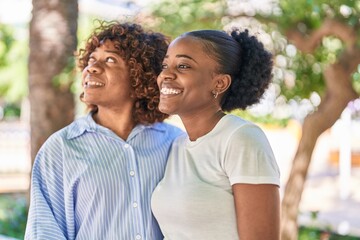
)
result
[(12, 111), (13, 215)]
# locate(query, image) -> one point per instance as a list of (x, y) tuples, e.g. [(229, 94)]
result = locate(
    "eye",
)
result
[(183, 66), (91, 60), (110, 59), (164, 66)]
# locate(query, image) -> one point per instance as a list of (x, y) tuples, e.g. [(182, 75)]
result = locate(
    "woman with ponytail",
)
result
[(221, 180)]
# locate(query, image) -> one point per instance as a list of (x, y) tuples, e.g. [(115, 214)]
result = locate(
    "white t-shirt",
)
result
[(194, 200)]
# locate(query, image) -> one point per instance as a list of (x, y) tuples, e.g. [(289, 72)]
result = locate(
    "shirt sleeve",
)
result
[(249, 157), (46, 217)]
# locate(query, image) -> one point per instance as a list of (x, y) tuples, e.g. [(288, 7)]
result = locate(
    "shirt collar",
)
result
[(87, 124)]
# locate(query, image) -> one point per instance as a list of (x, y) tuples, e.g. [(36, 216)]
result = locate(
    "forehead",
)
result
[(187, 45), (107, 45)]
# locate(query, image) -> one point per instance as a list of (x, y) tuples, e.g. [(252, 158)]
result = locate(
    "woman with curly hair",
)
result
[(93, 179), (221, 180)]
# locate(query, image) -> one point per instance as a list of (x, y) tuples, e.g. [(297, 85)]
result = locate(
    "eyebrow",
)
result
[(183, 56), (113, 51)]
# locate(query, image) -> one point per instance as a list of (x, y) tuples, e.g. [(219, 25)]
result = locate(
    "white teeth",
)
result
[(91, 83), (169, 91)]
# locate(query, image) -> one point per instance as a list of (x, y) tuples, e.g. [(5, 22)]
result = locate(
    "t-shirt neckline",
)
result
[(218, 125)]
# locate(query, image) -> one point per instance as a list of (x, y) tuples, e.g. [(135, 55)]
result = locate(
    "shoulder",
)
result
[(49, 158), (52, 147), (236, 127), (56, 138), (56, 142), (243, 135), (248, 156)]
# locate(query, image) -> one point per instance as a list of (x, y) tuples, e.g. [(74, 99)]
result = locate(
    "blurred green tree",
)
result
[(174, 17), (316, 46)]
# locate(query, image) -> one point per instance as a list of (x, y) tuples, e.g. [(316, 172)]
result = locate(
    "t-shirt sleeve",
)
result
[(249, 157)]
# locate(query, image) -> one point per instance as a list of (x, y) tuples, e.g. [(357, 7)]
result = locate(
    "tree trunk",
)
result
[(53, 40), (338, 93)]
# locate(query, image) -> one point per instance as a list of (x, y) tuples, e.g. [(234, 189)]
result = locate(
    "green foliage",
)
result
[(313, 12), (310, 233), (12, 110), (13, 86), (308, 69), (174, 17), (309, 14), (305, 16), (6, 41), (356, 77), (13, 70), (13, 215)]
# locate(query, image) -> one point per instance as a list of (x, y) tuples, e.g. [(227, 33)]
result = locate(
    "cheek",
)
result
[(202, 83), (201, 90), (158, 80)]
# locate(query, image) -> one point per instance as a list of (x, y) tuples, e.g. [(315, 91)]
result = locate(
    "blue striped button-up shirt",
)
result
[(87, 183)]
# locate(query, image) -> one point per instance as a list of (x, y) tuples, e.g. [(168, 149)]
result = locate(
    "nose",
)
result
[(167, 74), (94, 67)]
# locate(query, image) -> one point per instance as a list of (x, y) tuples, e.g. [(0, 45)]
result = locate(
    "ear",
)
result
[(222, 83)]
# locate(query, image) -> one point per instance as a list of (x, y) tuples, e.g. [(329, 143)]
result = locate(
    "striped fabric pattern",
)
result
[(87, 183)]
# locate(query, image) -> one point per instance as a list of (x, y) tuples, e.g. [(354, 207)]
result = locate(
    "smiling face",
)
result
[(105, 79), (187, 79)]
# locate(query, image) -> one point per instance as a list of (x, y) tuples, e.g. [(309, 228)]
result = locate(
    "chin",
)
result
[(165, 110)]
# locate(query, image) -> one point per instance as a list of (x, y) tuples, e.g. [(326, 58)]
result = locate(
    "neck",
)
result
[(120, 122), (200, 124)]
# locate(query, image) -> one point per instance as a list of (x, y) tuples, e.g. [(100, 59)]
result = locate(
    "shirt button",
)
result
[(135, 204), (126, 146), (138, 236), (132, 173)]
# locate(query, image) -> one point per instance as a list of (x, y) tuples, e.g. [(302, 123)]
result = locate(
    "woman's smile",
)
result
[(170, 91)]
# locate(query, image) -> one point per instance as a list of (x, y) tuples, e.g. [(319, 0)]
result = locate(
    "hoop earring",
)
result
[(215, 93)]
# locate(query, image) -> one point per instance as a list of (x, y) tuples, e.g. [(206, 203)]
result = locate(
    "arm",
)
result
[(257, 211), (46, 218), (255, 178)]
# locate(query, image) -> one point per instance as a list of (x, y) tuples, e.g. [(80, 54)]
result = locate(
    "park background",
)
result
[(311, 112)]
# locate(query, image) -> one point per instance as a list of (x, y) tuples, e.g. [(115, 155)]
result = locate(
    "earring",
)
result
[(215, 93)]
